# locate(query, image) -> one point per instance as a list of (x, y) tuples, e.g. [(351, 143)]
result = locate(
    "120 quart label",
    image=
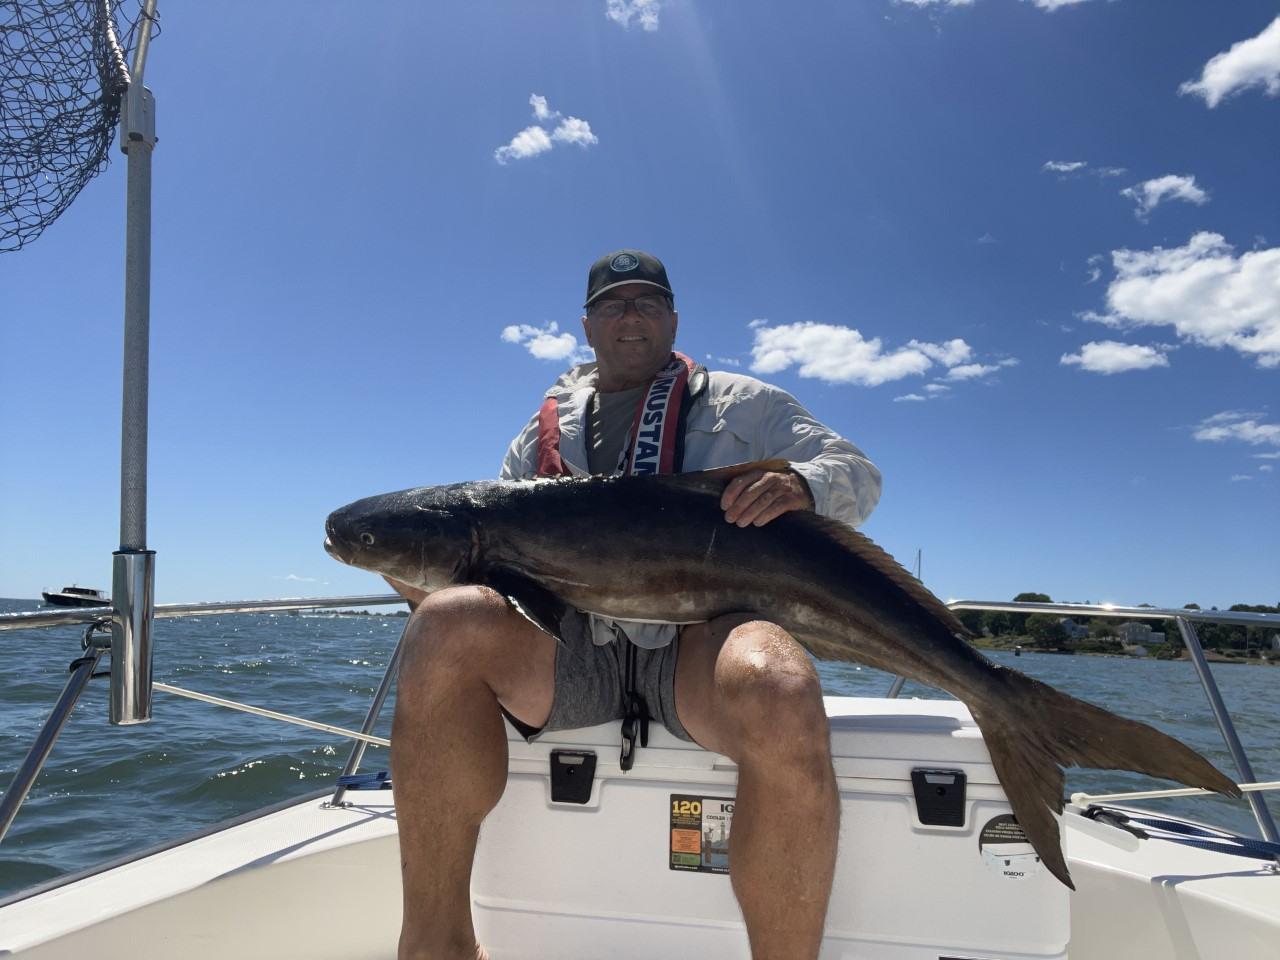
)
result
[(700, 829)]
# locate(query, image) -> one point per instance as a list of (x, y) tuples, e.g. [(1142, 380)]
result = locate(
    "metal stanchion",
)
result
[(133, 588)]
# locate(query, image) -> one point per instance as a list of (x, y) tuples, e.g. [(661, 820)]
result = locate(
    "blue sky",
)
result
[(1025, 253)]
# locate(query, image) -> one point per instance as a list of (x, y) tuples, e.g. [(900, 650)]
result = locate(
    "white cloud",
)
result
[(986, 238), (540, 109), (758, 323), (725, 361), (1151, 193), (1265, 468), (294, 576), (1239, 425), (948, 354), (1249, 63), (1095, 267), (1068, 168), (1205, 292), (644, 12), (972, 371), (837, 354), (529, 142), (1052, 5), (1236, 477), (534, 140), (1267, 456), (547, 343), (932, 391), (573, 130), (1108, 356), (834, 354)]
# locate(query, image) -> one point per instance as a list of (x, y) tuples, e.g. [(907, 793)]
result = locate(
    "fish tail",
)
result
[(1032, 731)]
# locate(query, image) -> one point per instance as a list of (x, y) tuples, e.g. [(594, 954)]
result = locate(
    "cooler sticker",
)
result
[(700, 833), (1005, 849)]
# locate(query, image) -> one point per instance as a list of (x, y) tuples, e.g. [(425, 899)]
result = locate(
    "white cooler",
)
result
[(931, 864)]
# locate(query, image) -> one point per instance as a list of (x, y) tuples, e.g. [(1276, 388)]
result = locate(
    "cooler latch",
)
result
[(939, 797), (572, 773)]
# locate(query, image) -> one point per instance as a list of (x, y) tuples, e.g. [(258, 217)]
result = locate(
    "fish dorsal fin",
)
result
[(866, 550), (714, 481)]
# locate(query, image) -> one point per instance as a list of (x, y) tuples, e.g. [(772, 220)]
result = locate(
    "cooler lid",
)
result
[(888, 738)]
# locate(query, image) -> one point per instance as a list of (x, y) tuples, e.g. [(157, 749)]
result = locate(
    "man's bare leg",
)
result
[(466, 651), (746, 689)]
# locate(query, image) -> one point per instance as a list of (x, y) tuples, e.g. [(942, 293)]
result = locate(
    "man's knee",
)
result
[(770, 694), (465, 640), (453, 632)]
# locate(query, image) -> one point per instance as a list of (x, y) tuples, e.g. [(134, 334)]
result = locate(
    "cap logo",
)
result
[(623, 262)]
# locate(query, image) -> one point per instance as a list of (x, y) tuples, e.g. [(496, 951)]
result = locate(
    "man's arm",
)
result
[(830, 475), (521, 461)]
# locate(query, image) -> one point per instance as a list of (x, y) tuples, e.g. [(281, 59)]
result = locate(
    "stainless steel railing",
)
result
[(83, 670), (1185, 620), (27, 620)]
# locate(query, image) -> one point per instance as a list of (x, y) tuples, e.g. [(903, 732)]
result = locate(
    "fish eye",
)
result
[(366, 538)]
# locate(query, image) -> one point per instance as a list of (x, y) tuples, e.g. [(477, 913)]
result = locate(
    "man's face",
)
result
[(631, 348)]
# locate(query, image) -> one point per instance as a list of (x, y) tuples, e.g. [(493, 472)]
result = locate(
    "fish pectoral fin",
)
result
[(714, 481), (535, 601)]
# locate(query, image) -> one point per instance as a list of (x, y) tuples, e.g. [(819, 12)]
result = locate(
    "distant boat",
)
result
[(77, 597)]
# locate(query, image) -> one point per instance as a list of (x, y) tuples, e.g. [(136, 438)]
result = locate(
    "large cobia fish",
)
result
[(658, 548)]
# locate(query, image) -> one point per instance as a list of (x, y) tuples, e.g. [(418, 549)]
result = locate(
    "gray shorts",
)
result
[(591, 683)]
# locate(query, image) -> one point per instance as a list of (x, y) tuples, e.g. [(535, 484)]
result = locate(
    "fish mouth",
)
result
[(334, 544), (334, 550)]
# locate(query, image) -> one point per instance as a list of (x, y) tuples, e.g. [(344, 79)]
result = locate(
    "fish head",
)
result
[(418, 537)]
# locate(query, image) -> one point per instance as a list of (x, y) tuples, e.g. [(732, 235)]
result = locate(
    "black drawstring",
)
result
[(636, 718)]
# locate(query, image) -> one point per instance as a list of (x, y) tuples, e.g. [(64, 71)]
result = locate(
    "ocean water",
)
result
[(108, 791)]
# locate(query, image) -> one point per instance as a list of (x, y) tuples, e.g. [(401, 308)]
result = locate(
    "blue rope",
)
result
[(367, 781), (1206, 838)]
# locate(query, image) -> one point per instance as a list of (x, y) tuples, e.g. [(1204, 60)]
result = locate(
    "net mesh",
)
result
[(62, 76)]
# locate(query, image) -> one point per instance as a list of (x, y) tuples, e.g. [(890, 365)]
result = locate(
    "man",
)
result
[(736, 685)]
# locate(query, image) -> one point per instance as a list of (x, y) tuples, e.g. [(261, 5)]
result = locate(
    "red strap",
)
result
[(549, 462), (672, 428)]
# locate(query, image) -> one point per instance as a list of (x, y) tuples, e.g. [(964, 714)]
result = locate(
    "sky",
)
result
[(1024, 253)]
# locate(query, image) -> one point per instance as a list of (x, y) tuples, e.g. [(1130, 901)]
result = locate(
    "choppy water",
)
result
[(107, 791)]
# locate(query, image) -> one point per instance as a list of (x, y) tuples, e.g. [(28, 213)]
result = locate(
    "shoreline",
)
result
[(1212, 656)]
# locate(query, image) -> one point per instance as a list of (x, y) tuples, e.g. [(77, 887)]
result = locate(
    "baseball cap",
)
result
[(626, 266)]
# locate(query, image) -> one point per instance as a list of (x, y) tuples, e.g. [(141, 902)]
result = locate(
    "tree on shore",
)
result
[(1046, 631), (1018, 621)]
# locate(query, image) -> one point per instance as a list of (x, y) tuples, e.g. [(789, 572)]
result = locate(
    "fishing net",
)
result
[(62, 76)]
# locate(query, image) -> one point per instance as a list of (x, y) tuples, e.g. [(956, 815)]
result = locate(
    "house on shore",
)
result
[(1133, 633)]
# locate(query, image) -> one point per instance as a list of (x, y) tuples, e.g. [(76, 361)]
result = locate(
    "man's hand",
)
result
[(758, 497)]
